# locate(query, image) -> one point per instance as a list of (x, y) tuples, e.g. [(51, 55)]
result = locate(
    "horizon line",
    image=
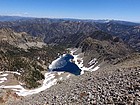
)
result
[(74, 18)]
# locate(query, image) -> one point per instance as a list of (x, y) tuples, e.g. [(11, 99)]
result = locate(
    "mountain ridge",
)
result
[(58, 30)]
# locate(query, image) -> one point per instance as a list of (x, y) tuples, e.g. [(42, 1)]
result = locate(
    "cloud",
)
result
[(25, 13), (17, 14)]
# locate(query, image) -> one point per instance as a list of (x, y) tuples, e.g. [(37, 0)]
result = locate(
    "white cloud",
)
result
[(20, 14), (26, 14)]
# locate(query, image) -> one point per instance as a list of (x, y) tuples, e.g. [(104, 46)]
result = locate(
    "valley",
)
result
[(47, 61)]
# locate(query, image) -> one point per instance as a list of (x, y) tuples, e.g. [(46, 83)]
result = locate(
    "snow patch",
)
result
[(93, 61), (13, 72), (96, 68), (1, 72), (3, 79), (79, 62), (4, 75), (59, 73), (58, 63), (60, 78), (8, 87), (68, 75), (16, 73)]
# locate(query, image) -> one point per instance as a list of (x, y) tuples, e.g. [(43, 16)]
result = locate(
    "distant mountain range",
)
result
[(16, 18), (60, 31), (13, 18)]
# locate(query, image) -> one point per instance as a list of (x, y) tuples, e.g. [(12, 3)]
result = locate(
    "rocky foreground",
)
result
[(110, 85)]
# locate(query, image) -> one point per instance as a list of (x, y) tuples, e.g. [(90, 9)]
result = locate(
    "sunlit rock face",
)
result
[(63, 63)]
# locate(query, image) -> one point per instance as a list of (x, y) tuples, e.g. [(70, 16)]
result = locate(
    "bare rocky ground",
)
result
[(110, 85)]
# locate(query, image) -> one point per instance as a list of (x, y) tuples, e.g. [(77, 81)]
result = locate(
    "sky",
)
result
[(128, 10)]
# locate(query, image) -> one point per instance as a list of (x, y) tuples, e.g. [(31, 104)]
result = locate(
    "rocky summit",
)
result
[(109, 85)]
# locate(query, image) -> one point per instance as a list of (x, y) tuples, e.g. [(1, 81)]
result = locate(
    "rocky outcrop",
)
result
[(112, 84), (22, 39), (104, 47)]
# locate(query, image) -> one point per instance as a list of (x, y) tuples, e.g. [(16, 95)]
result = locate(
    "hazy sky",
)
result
[(83, 9)]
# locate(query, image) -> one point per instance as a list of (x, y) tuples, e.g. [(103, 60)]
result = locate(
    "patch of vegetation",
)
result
[(29, 63)]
